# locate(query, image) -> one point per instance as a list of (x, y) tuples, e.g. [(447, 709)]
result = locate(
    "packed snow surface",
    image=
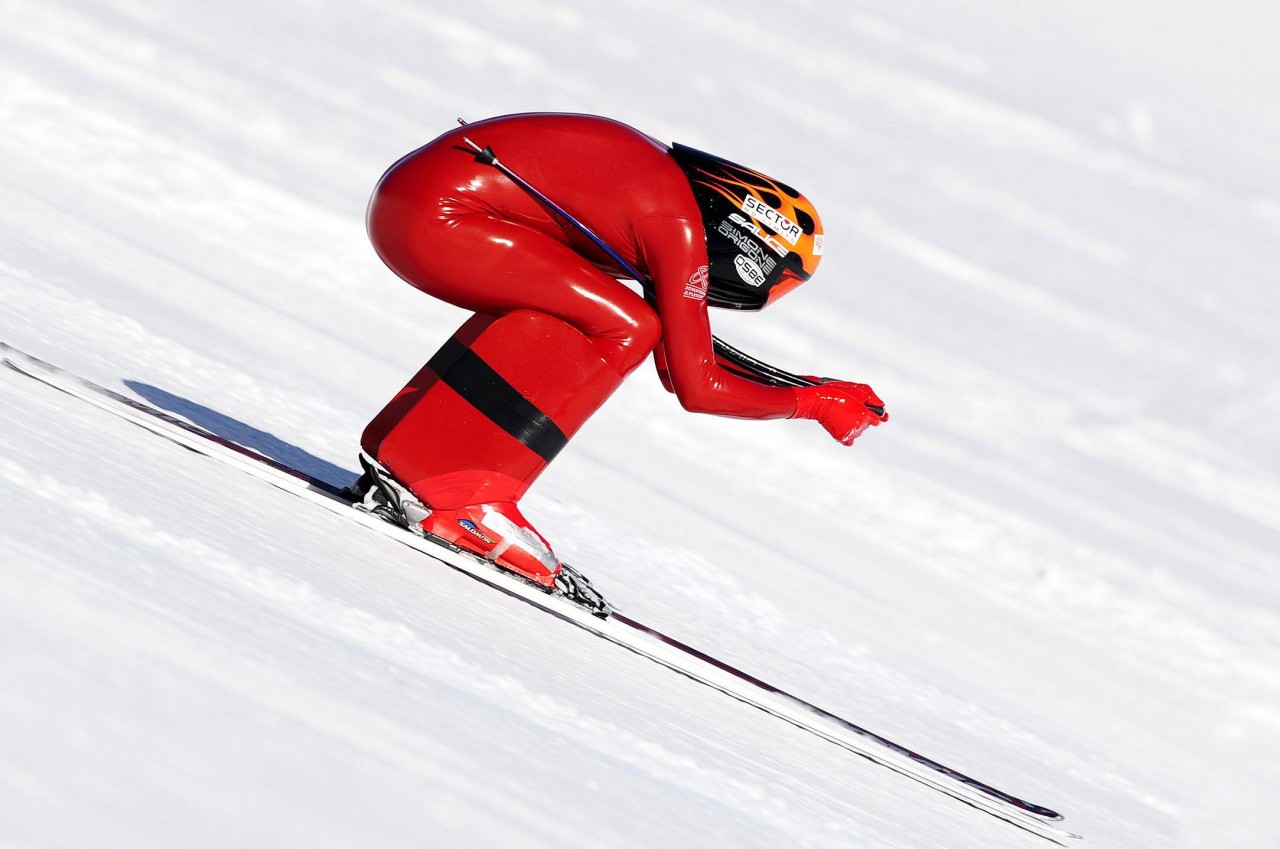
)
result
[(1053, 238)]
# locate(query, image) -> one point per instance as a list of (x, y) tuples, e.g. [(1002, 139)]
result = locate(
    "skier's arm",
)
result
[(675, 255), (664, 373)]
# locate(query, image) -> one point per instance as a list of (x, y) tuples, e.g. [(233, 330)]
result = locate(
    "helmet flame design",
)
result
[(763, 237)]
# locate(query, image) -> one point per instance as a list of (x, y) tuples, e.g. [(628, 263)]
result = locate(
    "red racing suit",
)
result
[(461, 231), (555, 331)]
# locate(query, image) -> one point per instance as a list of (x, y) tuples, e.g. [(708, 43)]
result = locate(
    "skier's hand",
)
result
[(844, 409)]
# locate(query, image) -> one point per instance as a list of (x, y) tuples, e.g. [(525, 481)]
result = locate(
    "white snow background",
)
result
[(1053, 248)]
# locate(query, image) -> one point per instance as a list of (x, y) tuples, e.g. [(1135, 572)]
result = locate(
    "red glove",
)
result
[(844, 409)]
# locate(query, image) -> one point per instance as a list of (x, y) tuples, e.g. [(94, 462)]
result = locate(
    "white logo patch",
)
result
[(696, 288), (774, 220), (749, 271), (819, 242)]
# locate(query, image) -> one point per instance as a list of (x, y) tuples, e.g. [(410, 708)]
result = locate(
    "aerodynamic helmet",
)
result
[(763, 237)]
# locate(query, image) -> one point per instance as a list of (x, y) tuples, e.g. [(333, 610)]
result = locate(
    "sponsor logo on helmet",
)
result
[(760, 233), (696, 288), (772, 218), (471, 528), (749, 271), (749, 246), (819, 242)]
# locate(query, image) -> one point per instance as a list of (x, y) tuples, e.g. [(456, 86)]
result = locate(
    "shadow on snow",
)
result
[(243, 434)]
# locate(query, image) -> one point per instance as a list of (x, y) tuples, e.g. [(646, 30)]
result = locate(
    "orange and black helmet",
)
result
[(763, 237)]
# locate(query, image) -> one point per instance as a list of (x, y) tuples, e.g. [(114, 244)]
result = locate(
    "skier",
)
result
[(535, 244)]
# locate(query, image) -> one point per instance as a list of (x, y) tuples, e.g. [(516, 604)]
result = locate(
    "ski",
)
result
[(617, 628)]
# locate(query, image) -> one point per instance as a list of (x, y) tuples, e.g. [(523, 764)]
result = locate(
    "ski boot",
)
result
[(497, 533)]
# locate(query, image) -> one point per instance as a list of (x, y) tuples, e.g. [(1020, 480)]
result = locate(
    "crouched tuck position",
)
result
[(530, 221)]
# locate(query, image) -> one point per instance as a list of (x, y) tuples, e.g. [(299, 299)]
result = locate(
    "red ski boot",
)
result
[(499, 534)]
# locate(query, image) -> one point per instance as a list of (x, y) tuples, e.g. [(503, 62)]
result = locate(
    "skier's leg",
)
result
[(480, 422), (492, 266)]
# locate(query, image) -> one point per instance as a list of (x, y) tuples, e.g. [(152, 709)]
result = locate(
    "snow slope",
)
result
[(1054, 235)]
